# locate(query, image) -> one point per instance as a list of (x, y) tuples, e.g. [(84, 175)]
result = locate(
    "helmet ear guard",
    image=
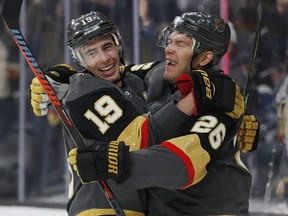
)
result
[(119, 42)]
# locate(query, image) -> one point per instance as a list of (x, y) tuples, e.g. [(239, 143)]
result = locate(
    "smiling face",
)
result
[(179, 53), (178, 56), (101, 57)]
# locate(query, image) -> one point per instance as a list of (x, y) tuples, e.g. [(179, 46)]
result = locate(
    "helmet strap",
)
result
[(191, 62), (121, 55), (122, 75)]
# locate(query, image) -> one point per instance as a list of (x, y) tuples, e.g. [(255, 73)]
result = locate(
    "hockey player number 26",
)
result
[(107, 108), (209, 124)]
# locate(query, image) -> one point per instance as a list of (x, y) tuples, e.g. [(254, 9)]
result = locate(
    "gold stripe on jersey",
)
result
[(189, 149), (103, 212), (131, 135)]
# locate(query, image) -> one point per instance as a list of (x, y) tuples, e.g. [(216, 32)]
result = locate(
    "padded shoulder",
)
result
[(140, 70)]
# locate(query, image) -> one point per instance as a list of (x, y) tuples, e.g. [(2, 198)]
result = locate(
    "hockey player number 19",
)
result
[(107, 108)]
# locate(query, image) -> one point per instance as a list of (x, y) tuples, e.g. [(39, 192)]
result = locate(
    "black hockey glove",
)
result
[(60, 73), (210, 91), (58, 77), (100, 161)]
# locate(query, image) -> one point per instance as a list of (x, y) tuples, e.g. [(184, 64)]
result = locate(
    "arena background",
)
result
[(33, 168)]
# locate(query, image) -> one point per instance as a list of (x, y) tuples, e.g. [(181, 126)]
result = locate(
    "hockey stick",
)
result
[(251, 74), (252, 64), (10, 14)]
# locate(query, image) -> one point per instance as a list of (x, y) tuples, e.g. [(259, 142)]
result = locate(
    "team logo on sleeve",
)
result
[(128, 93)]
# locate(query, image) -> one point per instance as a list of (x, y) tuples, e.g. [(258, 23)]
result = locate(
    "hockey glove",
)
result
[(238, 105), (100, 161), (39, 99), (58, 77), (248, 134), (212, 90)]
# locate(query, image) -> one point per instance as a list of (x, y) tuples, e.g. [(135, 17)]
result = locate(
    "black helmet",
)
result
[(89, 27), (209, 31)]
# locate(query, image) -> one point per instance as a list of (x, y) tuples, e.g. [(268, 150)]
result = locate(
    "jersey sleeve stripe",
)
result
[(194, 156), (144, 135), (132, 134), (187, 161)]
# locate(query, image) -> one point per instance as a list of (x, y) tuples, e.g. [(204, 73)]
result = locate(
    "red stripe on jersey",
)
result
[(144, 134), (187, 161)]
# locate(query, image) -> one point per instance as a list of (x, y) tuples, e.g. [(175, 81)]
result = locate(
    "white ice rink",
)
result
[(279, 209), (30, 211)]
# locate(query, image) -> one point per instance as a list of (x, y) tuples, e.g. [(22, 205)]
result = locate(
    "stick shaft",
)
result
[(252, 64)]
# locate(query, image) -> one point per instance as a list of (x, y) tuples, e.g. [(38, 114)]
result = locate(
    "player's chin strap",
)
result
[(122, 74), (191, 62)]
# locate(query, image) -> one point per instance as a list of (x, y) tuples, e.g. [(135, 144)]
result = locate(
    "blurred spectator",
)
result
[(45, 156), (273, 37), (282, 103), (244, 20), (154, 14), (199, 5), (282, 184), (149, 32), (107, 7), (45, 28), (58, 42), (267, 157), (265, 161), (54, 159)]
